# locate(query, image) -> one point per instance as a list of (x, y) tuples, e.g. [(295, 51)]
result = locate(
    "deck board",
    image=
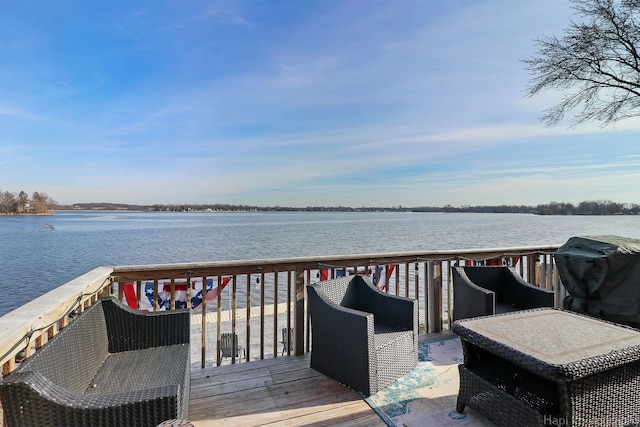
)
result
[(281, 391)]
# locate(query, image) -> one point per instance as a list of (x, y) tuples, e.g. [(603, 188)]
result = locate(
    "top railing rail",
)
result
[(258, 265), (263, 304)]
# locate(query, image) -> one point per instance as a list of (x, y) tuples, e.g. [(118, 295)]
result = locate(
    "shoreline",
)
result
[(28, 214)]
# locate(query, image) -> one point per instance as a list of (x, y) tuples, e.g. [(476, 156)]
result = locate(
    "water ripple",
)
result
[(32, 262)]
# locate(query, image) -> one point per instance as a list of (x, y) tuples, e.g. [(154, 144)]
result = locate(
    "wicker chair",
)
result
[(111, 366), (361, 336), (484, 291)]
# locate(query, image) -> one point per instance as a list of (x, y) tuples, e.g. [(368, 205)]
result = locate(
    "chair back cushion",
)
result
[(491, 278), (334, 290), (73, 356), (346, 292)]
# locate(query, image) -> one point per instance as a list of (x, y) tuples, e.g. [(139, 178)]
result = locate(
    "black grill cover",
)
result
[(602, 277)]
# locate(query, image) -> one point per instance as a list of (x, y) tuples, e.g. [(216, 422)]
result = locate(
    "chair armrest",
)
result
[(337, 325), (28, 396), (341, 337), (469, 299), (524, 295), (130, 329)]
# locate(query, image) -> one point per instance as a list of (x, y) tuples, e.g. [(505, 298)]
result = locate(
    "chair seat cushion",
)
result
[(385, 336), (141, 369)]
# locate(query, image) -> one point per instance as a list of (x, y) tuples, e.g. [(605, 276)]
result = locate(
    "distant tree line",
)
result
[(218, 207), (21, 203), (600, 207), (478, 209)]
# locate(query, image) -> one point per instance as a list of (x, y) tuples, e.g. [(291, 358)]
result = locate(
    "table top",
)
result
[(553, 336)]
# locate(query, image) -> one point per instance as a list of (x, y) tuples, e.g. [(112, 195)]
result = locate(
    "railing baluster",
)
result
[(449, 295), (9, 366), (138, 293), (406, 280), (40, 340), (289, 311), (299, 312), (262, 291), (120, 291), (203, 325), (156, 295), (234, 301), (416, 281), (275, 314), (429, 297), (248, 322), (396, 279), (219, 323), (172, 294)]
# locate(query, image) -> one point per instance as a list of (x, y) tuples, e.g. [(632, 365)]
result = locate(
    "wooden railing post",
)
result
[(299, 313), (438, 296), (433, 306)]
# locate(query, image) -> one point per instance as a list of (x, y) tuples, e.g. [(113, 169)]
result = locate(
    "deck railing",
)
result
[(262, 298)]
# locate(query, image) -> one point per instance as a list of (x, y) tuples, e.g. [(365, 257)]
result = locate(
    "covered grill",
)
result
[(602, 277)]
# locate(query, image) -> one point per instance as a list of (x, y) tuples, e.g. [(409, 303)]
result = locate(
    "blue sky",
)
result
[(294, 103)]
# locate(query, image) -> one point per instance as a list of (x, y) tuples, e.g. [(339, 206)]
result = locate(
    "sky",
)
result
[(294, 103)]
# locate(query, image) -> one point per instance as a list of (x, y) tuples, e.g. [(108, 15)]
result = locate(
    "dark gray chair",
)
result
[(287, 335), (484, 291), (361, 336), (227, 345)]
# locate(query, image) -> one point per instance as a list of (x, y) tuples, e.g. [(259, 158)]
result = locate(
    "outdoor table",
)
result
[(550, 367)]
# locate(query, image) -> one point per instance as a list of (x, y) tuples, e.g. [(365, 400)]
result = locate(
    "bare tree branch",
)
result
[(596, 64)]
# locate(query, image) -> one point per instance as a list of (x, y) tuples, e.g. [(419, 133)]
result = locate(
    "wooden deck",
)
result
[(277, 391)]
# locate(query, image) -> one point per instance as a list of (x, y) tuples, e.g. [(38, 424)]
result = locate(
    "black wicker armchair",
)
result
[(361, 336), (111, 366), (484, 291)]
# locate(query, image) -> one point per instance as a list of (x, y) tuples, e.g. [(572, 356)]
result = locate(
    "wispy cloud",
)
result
[(16, 113), (336, 102)]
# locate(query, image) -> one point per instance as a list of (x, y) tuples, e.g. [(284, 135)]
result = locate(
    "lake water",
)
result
[(40, 253)]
